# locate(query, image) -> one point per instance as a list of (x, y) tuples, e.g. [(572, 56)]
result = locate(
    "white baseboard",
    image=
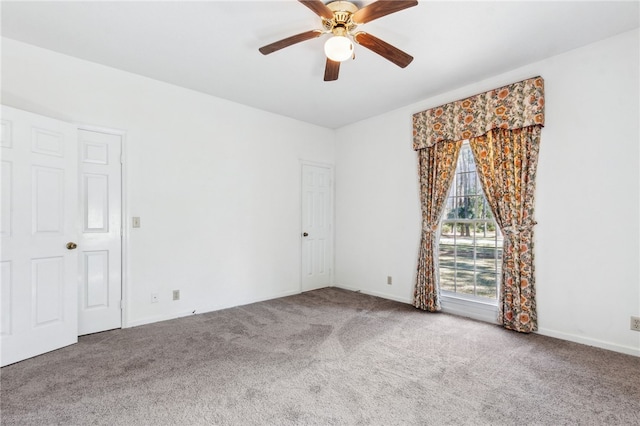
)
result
[(376, 293), (156, 318), (589, 341)]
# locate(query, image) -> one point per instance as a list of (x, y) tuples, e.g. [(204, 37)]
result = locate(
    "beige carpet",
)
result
[(327, 357)]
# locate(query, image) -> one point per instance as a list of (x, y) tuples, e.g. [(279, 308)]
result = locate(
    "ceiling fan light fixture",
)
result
[(340, 19), (338, 48)]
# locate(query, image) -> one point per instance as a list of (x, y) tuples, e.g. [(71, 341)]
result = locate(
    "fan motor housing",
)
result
[(342, 11)]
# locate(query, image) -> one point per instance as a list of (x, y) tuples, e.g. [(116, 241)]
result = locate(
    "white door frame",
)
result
[(333, 218), (124, 234)]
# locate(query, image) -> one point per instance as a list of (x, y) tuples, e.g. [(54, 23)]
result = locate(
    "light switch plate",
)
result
[(135, 222)]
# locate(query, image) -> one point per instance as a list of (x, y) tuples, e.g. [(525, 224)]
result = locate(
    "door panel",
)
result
[(6, 140), (39, 217), (7, 196), (6, 298), (100, 260), (47, 288), (48, 200), (47, 142), (96, 279), (96, 203), (317, 214)]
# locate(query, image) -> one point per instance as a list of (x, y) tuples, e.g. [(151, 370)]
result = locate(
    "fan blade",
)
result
[(318, 8), (331, 70), (285, 42), (381, 8), (383, 49)]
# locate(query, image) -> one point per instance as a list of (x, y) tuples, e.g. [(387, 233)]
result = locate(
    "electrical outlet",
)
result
[(176, 294), (154, 297), (389, 280), (635, 323)]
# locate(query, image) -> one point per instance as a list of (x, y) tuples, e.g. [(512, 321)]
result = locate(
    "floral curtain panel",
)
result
[(436, 166), (507, 162), (503, 126)]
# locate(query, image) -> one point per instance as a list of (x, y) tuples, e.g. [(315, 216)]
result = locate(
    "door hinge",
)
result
[(121, 304), (121, 159)]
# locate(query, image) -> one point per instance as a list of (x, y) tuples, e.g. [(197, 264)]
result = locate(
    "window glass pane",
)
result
[(447, 279), (470, 252), (485, 259), (458, 207), (476, 229), (472, 183), (466, 183), (464, 282), (465, 208), (447, 255), (486, 236), (464, 235), (446, 233), (488, 211), (450, 208), (464, 258), (477, 207), (486, 284), (466, 162)]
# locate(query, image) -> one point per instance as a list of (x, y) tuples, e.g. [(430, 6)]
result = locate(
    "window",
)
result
[(470, 241)]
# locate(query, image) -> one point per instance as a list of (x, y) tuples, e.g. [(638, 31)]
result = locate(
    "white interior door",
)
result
[(39, 217), (317, 226), (99, 306)]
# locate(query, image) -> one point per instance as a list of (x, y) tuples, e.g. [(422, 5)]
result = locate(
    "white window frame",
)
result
[(462, 304)]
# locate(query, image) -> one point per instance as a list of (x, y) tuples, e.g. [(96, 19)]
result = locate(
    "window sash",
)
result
[(466, 197)]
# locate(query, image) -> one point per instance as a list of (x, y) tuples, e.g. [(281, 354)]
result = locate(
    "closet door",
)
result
[(317, 226), (100, 250)]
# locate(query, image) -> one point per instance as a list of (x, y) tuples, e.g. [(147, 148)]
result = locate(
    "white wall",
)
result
[(216, 184), (587, 206)]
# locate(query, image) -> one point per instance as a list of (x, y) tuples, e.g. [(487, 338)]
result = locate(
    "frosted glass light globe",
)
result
[(338, 48)]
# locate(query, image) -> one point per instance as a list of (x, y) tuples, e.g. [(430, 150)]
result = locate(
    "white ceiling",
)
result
[(212, 47)]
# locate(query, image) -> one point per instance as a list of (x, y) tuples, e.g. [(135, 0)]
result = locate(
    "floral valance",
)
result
[(514, 106)]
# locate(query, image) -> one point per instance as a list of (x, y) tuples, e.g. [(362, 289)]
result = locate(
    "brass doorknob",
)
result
[(305, 234), (71, 246)]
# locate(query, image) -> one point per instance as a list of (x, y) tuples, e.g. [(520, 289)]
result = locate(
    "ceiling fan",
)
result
[(341, 18)]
